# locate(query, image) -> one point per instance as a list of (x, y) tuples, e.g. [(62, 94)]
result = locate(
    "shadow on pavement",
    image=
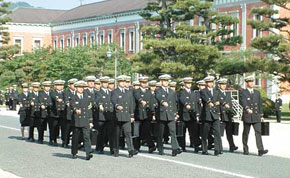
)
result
[(16, 137)]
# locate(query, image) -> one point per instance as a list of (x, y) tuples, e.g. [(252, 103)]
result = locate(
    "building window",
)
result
[(19, 42), (84, 39), (102, 38), (235, 27), (92, 39), (55, 44), (257, 80), (122, 39), (61, 44), (131, 39), (37, 43), (68, 42), (110, 36), (257, 33), (141, 44), (77, 40)]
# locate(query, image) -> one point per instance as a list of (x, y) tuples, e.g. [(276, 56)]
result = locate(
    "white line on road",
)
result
[(173, 161), (4, 174)]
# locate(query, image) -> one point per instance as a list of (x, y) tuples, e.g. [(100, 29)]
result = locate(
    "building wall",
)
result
[(30, 35)]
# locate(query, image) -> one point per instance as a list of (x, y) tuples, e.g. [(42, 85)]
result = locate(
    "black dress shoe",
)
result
[(152, 149), (233, 149), (161, 152), (55, 144), (74, 157), (216, 153), (197, 149), (66, 146), (204, 153), (62, 145), (50, 143), (184, 150), (209, 147), (100, 152), (246, 153), (220, 152), (174, 152), (131, 154), (40, 141), (116, 153), (135, 152), (88, 157), (178, 151), (262, 152)]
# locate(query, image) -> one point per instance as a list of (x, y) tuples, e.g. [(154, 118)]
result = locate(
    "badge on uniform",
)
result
[(89, 96), (104, 96), (163, 95), (45, 98), (120, 96), (248, 98), (77, 102), (142, 95), (187, 97)]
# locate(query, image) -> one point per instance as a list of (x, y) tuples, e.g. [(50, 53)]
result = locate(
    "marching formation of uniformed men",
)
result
[(96, 112), (11, 98)]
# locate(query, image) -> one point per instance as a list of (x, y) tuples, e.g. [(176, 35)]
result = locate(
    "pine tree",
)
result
[(3, 20), (276, 45), (172, 45)]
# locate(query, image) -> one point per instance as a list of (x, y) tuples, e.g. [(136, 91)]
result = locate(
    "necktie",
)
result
[(81, 96)]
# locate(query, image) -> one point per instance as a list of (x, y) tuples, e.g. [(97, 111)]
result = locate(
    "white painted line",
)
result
[(4, 174), (173, 161), (11, 128)]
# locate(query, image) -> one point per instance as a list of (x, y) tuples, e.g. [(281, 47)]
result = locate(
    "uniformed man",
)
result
[(189, 102), (166, 114), (10, 98), (202, 85), (14, 98), (7, 98), (158, 85), (35, 120), (124, 113), (81, 103), (45, 108), (136, 85), (68, 94), (91, 93), (97, 84), (252, 115), (57, 113), (143, 112), (227, 112), (211, 116), (172, 85), (24, 111), (111, 85), (278, 108), (152, 86), (105, 119)]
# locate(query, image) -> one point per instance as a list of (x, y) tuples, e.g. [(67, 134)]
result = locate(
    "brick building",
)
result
[(117, 21), (29, 28)]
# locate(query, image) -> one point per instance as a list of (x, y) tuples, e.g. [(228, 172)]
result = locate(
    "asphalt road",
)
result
[(32, 160)]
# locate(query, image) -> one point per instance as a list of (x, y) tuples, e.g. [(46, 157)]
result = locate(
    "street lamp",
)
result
[(109, 55)]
